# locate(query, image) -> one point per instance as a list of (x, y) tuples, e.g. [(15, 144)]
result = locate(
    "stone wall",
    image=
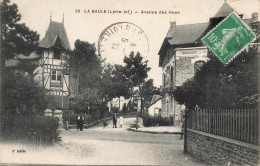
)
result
[(218, 150)]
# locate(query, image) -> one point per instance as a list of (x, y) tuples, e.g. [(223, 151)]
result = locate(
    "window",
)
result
[(56, 54), (56, 76), (197, 66)]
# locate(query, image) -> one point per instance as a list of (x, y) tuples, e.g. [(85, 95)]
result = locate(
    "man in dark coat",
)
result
[(114, 120), (80, 122)]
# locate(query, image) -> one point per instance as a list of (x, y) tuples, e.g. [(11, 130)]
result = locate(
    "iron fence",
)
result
[(239, 124)]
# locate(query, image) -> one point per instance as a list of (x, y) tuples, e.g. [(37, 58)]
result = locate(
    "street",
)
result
[(119, 146), (102, 146)]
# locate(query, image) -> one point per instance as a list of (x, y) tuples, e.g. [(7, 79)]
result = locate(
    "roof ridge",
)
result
[(55, 29), (194, 23), (224, 10)]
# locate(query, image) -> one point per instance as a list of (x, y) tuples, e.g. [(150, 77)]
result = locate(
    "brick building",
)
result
[(182, 54)]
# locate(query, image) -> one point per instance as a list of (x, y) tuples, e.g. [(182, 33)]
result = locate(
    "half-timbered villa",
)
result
[(53, 73)]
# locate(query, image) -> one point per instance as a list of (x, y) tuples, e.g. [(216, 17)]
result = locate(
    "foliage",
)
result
[(130, 106), (124, 109), (16, 38), (113, 84), (22, 92), (115, 109), (29, 128), (85, 62), (27, 66), (108, 82), (132, 74), (122, 83), (89, 98), (147, 91), (149, 120), (135, 69), (218, 86)]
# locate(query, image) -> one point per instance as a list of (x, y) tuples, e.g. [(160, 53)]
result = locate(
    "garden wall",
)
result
[(220, 150)]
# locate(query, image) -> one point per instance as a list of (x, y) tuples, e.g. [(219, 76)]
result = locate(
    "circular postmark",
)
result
[(119, 39)]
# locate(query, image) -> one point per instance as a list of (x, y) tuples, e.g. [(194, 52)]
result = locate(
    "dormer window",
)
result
[(56, 54)]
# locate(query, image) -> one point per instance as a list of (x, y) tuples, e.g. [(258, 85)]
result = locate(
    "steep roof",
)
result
[(55, 30), (155, 98), (188, 33), (13, 62), (224, 11), (183, 34)]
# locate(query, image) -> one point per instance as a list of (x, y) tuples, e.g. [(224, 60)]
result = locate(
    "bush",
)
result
[(149, 120), (32, 129)]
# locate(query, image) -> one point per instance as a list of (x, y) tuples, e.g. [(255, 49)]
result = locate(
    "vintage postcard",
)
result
[(129, 82)]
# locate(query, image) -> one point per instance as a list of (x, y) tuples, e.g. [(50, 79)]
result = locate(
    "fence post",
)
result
[(185, 131)]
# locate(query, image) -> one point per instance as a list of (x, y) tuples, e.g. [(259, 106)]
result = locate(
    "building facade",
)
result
[(182, 54), (53, 72), (155, 108)]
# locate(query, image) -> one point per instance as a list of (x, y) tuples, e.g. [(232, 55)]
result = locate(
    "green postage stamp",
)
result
[(229, 38)]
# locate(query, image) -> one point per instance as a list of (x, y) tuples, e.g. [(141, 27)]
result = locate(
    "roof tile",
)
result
[(55, 29)]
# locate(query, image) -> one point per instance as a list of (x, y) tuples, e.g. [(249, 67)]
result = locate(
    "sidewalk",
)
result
[(159, 130)]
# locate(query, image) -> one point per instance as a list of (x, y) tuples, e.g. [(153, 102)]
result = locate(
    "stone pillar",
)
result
[(48, 112), (59, 115)]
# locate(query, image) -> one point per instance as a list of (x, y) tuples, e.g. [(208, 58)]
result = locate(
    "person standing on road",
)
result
[(114, 120), (121, 121), (80, 122)]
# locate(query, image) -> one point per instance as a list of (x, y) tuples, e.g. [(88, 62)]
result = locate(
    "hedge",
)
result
[(31, 129), (149, 120)]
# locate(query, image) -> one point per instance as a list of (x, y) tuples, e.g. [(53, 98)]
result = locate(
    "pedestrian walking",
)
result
[(80, 122), (182, 129), (114, 120), (104, 123), (121, 121)]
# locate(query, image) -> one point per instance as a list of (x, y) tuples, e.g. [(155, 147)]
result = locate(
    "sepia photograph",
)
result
[(129, 82)]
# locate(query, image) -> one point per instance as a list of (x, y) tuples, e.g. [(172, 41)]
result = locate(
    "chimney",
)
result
[(255, 16), (172, 30)]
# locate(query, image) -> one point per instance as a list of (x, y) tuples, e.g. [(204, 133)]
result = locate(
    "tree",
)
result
[(113, 83), (15, 39), (90, 97), (28, 66), (87, 64), (122, 83), (21, 94), (147, 91), (218, 86), (135, 71)]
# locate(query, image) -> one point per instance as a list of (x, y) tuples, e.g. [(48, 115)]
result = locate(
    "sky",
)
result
[(88, 26)]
